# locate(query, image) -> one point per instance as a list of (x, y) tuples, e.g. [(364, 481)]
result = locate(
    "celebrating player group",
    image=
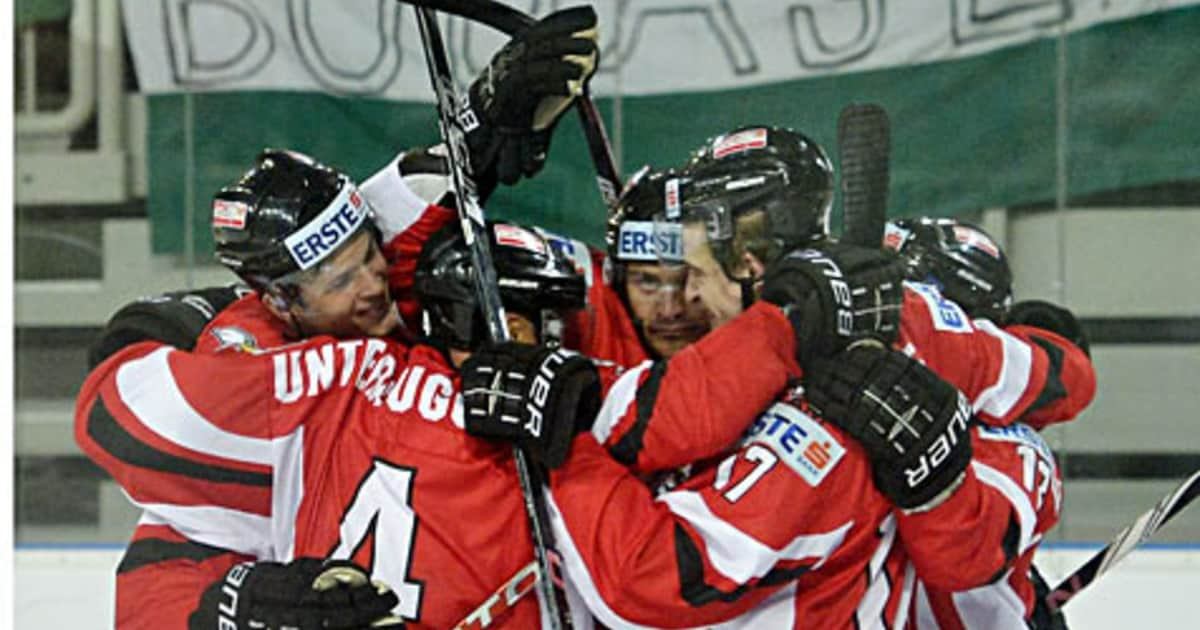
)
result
[(735, 419)]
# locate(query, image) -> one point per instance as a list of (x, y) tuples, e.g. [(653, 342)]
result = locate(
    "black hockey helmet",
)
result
[(778, 171), (535, 279), (283, 216), (629, 233), (960, 258)]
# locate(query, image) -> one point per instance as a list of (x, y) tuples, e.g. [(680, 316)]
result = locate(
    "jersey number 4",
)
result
[(382, 510)]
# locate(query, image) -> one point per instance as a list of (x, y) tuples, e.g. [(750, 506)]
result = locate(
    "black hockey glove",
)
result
[(1047, 316), (306, 593), (835, 295), (533, 396), (175, 319), (912, 424), (519, 97)]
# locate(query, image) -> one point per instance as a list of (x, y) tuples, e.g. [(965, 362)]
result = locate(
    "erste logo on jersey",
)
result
[(946, 315), (650, 241), (1018, 433), (329, 230), (799, 441)]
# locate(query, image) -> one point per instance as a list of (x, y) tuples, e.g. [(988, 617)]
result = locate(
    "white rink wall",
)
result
[(1152, 588)]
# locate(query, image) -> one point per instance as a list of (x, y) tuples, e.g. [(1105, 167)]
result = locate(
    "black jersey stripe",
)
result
[(697, 592), (104, 429), (153, 550), (626, 449), (1053, 389)]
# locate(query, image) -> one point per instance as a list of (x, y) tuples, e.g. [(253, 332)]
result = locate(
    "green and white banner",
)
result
[(973, 88)]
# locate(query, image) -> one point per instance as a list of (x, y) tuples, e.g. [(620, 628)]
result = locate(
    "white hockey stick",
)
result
[(1129, 538)]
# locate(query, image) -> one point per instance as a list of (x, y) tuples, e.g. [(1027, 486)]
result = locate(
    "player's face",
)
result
[(669, 322), (348, 296), (706, 281)]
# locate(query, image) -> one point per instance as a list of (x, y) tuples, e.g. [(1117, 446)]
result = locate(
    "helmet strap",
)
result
[(748, 296)]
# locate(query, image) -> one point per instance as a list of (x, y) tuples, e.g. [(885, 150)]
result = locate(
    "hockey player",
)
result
[(967, 266), (720, 542), (972, 270), (345, 288), (369, 426)]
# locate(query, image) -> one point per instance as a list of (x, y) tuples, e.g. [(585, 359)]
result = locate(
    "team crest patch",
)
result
[(229, 214), (234, 338), (799, 441)]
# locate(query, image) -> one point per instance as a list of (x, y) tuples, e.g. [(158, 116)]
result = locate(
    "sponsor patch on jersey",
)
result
[(1018, 433), (229, 214), (234, 338), (946, 315), (978, 240), (895, 236), (799, 441), (336, 224), (740, 141), (516, 236), (650, 241)]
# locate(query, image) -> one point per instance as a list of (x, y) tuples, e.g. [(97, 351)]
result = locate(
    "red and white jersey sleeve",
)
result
[(406, 221), (1017, 464), (665, 414), (344, 449), (786, 532), (1005, 376), (163, 574)]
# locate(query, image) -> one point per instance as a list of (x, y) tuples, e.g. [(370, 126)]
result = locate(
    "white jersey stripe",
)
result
[(1016, 496), (287, 490), (146, 386), (775, 612), (925, 618), (616, 404), (397, 206), (1016, 366), (995, 606), (739, 557), (221, 527)]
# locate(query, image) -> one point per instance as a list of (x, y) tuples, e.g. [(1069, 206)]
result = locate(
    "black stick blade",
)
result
[(864, 147)]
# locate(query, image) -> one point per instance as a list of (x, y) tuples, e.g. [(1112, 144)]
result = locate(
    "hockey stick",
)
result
[(474, 231), (502, 601), (864, 148), (1129, 538), (510, 21)]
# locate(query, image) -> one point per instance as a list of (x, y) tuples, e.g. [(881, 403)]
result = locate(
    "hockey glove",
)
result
[(912, 424), (836, 295), (532, 396), (519, 97), (1047, 316), (306, 593), (176, 319)]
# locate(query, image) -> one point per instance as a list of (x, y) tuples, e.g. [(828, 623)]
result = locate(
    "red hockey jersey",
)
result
[(726, 559), (1018, 463), (349, 449), (162, 574)]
